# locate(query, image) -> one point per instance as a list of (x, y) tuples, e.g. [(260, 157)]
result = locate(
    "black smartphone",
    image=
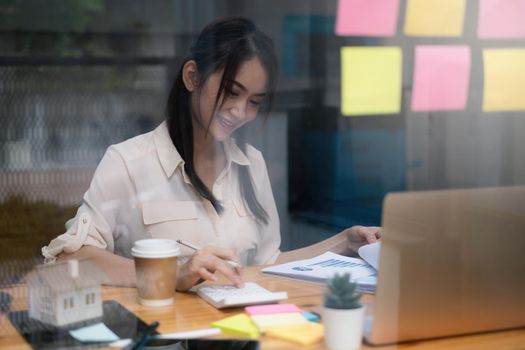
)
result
[(48, 337), (202, 344)]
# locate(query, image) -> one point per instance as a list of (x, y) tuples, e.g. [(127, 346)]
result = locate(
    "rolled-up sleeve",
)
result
[(270, 234), (93, 225)]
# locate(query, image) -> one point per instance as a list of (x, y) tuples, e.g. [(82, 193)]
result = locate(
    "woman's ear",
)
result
[(190, 75)]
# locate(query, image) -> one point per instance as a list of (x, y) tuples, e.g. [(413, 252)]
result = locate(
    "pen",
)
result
[(194, 247), (198, 333), (189, 334)]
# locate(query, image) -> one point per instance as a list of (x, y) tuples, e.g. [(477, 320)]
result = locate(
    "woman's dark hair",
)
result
[(224, 44)]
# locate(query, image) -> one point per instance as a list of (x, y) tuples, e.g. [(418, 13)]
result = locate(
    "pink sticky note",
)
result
[(271, 309), (501, 19), (366, 17), (441, 78)]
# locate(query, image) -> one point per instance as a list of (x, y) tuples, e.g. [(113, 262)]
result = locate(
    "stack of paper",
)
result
[(284, 321), (324, 266)]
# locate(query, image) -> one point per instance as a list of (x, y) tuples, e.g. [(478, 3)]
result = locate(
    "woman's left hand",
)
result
[(358, 236)]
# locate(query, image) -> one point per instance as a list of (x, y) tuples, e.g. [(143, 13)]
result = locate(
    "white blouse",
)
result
[(140, 190)]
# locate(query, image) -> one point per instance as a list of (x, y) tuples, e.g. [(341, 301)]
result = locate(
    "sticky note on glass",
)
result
[(441, 78), (501, 19), (434, 17), (504, 79), (371, 80), (366, 17)]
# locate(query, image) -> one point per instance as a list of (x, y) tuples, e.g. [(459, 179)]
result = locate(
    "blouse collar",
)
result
[(170, 158)]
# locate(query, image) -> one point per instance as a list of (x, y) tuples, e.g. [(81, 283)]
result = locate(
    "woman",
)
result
[(188, 179)]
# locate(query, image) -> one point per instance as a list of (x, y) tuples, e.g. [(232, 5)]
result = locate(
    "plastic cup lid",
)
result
[(155, 248)]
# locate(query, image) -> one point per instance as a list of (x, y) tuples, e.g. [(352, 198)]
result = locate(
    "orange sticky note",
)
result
[(265, 322), (435, 17), (504, 80), (304, 334)]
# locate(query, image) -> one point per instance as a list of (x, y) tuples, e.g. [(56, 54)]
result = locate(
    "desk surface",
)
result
[(189, 312)]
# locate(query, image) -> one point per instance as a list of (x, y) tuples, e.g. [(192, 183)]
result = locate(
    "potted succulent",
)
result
[(342, 313)]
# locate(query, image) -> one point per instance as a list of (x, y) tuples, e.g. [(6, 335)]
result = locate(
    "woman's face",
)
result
[(236, 107)]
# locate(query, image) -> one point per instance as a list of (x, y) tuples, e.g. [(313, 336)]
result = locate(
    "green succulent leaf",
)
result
[(341, 293)]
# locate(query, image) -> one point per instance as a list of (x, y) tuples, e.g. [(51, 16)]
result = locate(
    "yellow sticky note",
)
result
[(304, 334), (265, 322), (239, 325), (371, 80), (434, 17), (504, 79)]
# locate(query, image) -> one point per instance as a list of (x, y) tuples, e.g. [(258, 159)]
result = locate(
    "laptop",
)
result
[(452, 262)]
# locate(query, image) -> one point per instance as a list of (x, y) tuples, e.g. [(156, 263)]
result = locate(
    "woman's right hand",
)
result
[(203, 264)]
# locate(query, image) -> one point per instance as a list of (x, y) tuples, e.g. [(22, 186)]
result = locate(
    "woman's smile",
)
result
[(226, 123)]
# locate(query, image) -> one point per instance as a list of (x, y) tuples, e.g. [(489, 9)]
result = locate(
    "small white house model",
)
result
[(65, 292)]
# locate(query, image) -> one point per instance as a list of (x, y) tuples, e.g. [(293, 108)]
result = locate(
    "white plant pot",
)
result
[(343, 329)]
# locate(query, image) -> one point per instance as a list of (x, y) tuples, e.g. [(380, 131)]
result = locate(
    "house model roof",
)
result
[(66, 275)]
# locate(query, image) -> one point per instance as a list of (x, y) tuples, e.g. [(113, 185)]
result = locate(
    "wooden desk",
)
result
[(190, 312)]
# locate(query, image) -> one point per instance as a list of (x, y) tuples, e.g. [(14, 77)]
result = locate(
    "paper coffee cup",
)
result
[(156, 270)]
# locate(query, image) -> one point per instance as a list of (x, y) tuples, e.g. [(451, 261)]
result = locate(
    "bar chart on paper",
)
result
[(338, 263), (324, 266)]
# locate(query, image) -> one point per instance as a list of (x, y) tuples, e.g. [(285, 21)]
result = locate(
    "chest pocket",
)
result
[(170, 219), (244, 221)]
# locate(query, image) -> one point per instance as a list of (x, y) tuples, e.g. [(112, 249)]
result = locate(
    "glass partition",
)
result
[(373, 97)]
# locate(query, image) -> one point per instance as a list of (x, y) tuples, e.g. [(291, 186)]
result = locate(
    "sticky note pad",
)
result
[(271, 309), (239, 325), (371, 80), (304, 334), (504, 79), (265, 322), (366, 17), (95, 333), (501, 19), (441, 78), (434, 17)]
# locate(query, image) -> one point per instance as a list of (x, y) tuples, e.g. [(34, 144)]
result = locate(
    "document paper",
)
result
[(321, 267), (324, 266)]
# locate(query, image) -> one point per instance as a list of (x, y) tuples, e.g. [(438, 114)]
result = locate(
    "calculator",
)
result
[(227, 295)]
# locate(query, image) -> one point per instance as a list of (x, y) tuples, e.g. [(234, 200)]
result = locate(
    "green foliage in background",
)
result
[(50, 26), (26, 226), (340, 293)]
